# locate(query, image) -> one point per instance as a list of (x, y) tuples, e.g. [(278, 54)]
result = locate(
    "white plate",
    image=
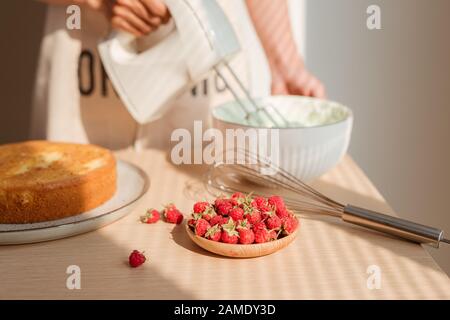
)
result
[(132, 184)]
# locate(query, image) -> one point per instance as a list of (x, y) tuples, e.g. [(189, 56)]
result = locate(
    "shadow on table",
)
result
[(182, 239), (382, 242)]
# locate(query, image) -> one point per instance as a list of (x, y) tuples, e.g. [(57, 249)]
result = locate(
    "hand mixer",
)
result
[(229, 178), (149, 73)]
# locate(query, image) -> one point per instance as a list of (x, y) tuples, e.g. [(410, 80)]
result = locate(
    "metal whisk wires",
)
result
[(230, 178), (259, 175)]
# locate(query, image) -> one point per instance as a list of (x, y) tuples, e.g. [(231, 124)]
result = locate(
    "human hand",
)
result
[(297, 81), (138, 17)]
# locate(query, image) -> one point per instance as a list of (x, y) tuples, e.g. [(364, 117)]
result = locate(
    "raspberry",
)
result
[(201, 227), (218, 219), (172, 214), (290, 224), (237, 195), (136, 258), (273, 222), (262, 235), (258, 226), (200, 207), (253, 217), (230, 238), (224, 208), (229, 234), (261, 203), (282, 213), (236, 213), (151, 216), (246, 236), (214, 233), (277, 202), (191, 222), (219, 201)]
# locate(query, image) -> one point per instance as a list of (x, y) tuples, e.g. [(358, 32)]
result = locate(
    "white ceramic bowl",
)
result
[(315, 143)]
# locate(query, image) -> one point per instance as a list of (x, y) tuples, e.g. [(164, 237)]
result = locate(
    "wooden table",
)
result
[(328, 260)]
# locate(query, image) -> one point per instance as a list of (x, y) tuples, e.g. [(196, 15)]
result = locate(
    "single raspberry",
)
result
[(253, 216), (172, 214), (214, 233), (258, 226), (136, 258), (277, 202), (191, 222), (224, 208), (237, 195), (262, 235), (273, 222), (218, 219), (225, 220), (200, 207), (261, 203), (229, 234), (201, 227), (236, 213), (246, 236), (230, 238), (219, 201), (290, 224), (151, 216), (282, 213)]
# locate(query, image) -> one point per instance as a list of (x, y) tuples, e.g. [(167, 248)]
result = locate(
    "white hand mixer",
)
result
[(149, 73)]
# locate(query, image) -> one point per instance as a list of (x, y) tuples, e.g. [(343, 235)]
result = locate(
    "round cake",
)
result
[(43, 181)]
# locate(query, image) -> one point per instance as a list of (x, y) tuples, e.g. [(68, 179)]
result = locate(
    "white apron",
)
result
[(74, 100)]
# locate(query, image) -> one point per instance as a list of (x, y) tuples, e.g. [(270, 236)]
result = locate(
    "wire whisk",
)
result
[(259, 175)]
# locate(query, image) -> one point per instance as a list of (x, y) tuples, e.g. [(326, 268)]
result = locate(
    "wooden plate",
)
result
[(242, 250)]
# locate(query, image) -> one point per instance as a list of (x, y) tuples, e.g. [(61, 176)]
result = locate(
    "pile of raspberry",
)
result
[(243, 219)]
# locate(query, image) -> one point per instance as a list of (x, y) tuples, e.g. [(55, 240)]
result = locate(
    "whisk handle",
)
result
[(395, 226)]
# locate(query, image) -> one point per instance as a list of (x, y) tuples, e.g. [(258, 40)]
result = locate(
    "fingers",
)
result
[(278, 85), (132, 19), (306, 84), (279, 89), (157, 8), (138, 17), (122, 24), (136, 7)]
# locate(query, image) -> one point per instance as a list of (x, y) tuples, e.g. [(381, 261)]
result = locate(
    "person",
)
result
[(75, 101)]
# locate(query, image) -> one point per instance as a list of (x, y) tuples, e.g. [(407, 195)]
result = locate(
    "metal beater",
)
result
[(272, 114), (229, 178)]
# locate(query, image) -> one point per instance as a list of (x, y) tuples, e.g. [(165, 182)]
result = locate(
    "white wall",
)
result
[(397, 81)]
